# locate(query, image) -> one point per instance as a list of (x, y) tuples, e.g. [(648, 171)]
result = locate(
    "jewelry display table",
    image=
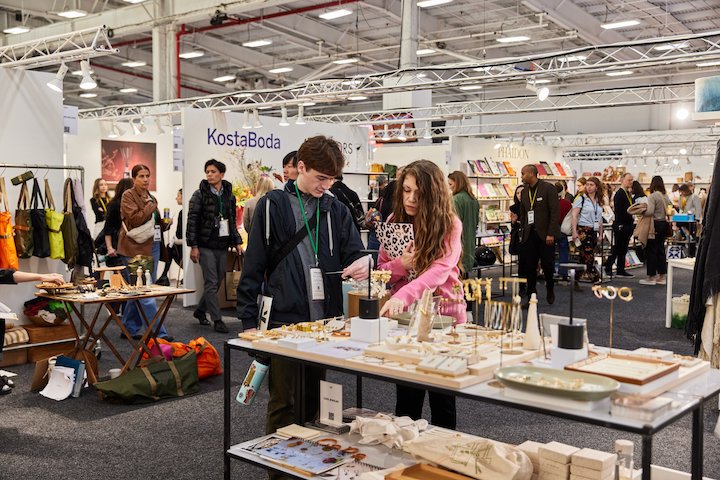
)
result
[(95, 330), (685, 264), (689, 397)]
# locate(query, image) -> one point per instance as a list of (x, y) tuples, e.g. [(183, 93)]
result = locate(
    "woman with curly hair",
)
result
[(423, 199)]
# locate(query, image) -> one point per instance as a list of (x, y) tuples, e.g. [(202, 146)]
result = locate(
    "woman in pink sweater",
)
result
[(430, 262)]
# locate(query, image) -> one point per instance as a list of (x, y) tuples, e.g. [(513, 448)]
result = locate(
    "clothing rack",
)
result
[(30, 166)]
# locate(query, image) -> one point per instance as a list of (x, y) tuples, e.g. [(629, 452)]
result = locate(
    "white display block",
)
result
[(368, 331), (564, 356)]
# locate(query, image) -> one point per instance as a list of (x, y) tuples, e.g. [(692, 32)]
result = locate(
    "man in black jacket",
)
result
[(298, 234), (211, 230), (350, 199), (622, 227), (539, 216)]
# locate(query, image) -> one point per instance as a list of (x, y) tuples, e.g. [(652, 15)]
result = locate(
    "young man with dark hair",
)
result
[(299, 233), (350, 199), (290, 162), (211, 230)]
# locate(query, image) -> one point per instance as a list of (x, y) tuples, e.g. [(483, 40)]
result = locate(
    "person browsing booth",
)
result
[(211, 230), (298, 234)]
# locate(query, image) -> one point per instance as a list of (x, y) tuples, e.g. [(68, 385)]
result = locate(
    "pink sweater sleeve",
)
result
[(394, 265), (438, 272)]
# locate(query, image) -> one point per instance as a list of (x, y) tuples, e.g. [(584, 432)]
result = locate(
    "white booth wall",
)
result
[(31, 132), (213, 134), (404, 153)]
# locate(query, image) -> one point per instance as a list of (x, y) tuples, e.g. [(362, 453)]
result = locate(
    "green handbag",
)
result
[(154, 381), (54, 221), (23, 225)]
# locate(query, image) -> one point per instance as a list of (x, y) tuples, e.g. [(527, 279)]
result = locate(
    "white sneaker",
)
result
[(648, 281), (661, 280)]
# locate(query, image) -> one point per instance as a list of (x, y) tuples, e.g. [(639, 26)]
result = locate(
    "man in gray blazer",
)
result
[(539, 217)]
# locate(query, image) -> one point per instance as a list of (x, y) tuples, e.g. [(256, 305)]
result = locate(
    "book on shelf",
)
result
[(494, 168), (560, 169), (478, 167), (485, 167), (492, 190), (471, 164), (509, 168), (548, 169), (489, 240), (482, 191), (491, 213), (505, 228), (502, 168), (541, 169), (509, 190)]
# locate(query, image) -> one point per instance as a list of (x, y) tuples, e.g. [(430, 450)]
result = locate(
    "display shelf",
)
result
[(493, 199), (502, 177), (40, 344), (555, 177)]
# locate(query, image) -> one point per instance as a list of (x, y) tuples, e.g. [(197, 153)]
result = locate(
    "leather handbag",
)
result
[(69, 227), (143, 233), (54, 220), (41, 239), (8, 254), (23, 225), (154, 381)]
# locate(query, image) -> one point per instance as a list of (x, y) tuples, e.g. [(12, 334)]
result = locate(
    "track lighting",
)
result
[(158, 126), (56, 83), (113, 130), (386, 133), (246, 120), (256, 120), (542, 92), (87, 82), (284, 120), (428, 132), (219, 18), (401, 136), (300, 120)]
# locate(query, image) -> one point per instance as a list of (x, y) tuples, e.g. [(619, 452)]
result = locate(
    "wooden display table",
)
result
[(95, 329)]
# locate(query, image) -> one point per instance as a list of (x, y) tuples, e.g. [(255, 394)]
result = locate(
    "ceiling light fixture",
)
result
[(281, 70), (88, 95), (573, 58), (676, 161), (134, 1), (284, 120), (345, 61), (542, 92), (620, 24), (16, 30), (682, 113), (470, 87), (224, 78), (683, 151), (192, 54), (671, 46), (428, 131), (386, 133), (113, 133), (159, 129), (56, 83), (309, 104), (87, 82), (713, 63), (257, 43), (128, 90), (246, 120), (620, 73), (432, 3), (333, 14), (357, 98), (256, 120), (134, 63), (425, 51), (541, 80), (519, 38), (401, 136), (300, 120), (244, 95), (74, 13)]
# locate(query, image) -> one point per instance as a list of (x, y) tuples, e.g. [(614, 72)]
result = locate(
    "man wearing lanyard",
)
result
[(302, 244), (539, 215), (211, 230), (622, 227)]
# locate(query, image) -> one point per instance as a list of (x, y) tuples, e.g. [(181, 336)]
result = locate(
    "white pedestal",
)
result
[(368, 331), (562, 356)]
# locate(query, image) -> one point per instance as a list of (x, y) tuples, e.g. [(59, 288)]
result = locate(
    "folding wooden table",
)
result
[(95, 330)]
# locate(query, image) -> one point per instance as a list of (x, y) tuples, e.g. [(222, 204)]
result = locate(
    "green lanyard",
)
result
[(313, 244), (220, 209)]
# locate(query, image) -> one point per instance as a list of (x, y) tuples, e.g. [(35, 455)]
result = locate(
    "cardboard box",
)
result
[(50, 333), (591, 474), (557, 452), (554, 468), (594, 459), (14, 357), (38, 353)]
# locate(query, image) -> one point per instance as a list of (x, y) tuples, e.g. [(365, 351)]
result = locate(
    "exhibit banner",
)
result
[(249, 153)]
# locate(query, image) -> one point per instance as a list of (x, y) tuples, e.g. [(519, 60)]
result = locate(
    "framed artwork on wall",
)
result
[(118, 157)]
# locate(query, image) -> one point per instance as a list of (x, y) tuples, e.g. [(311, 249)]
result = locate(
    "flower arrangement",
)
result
[(249, 172)]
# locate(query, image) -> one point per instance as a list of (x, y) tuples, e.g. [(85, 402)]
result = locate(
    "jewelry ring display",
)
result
[(625, 294)]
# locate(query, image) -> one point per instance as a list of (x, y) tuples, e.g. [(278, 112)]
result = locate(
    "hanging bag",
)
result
[(69, 227), (233, 278), (84, 237), (8, 255), (41, 239), (54, 221), (23, 225)]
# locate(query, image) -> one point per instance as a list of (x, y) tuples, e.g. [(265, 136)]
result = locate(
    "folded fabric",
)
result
[(390, 431), (60, 384)]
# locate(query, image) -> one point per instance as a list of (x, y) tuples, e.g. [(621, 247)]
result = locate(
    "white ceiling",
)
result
[(460, 31)]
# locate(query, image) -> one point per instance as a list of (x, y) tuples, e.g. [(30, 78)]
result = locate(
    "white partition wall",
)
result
[(213, 134), (31, 132)]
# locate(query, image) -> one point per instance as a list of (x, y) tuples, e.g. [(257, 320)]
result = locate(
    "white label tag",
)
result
[(330, 403), (158, 234), (264, 312), (224, 228), (596, 226), (316, 284), (531, 217)]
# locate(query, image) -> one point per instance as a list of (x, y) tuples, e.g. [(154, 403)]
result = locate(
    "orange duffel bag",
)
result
[(208, 358)]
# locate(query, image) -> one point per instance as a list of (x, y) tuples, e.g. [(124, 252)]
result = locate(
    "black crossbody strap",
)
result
[(290, 246)]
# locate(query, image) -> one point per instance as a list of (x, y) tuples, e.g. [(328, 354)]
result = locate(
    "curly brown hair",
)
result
[(434, 218)]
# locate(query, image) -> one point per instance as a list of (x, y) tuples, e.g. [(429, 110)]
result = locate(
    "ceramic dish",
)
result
[(573, 385)]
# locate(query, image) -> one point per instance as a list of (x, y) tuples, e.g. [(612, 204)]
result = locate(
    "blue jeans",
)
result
[(131, 317), (564, 254)]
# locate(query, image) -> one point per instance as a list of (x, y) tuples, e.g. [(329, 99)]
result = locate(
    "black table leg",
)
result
[(358, 391), (646, 458), (226, 407), (698, 430)]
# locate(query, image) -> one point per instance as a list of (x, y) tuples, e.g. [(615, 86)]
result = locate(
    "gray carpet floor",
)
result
[(85, 438)]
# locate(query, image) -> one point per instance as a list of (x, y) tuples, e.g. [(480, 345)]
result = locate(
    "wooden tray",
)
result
[(423, 471), (617, 366)]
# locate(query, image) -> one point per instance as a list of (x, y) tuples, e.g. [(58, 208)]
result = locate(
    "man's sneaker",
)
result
[(624, 274), (220, 326), (201, 317), (163, 281), (648, 281)]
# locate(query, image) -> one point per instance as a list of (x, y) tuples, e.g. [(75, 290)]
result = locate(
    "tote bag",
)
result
[(8, 255), (23, 225), (54, 221), (69, 227), (41, 240), (84, 238)]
